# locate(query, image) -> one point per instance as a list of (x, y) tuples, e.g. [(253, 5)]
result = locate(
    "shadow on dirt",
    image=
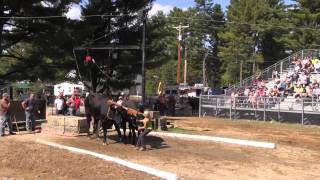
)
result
[(151, 141)]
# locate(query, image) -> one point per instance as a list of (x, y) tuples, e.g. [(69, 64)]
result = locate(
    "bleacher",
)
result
[(294, 104)]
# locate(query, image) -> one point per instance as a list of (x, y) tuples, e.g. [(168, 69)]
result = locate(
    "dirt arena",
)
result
[(296, 157)]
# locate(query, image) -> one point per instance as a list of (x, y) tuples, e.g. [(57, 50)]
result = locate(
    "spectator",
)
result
[(209, 92), (29, 107), (162, 106), (172, 105), (4, 115), (309, 91), (78, 104), (72, 105), (274, 74), (59, 104), (299, 91)]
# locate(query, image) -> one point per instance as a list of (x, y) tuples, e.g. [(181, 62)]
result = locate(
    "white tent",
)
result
[(68, 88)]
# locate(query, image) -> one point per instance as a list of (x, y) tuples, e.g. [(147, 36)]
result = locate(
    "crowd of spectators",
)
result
[(295, 81), (65, 105)]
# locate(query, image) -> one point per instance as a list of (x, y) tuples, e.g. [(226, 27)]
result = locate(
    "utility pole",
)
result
[(185, 64), (179, 29), (204, 78), (143, 44)]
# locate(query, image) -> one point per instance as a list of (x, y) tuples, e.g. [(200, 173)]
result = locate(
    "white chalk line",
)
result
[(135, 166), (217, 139)]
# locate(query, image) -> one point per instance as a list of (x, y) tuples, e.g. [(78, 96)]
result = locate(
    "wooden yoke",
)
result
[(130, 111), (133, 112)]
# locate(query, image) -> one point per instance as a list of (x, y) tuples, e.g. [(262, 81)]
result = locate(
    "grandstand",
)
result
[(286, 91)]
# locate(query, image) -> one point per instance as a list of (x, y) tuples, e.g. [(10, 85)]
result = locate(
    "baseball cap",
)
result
[(5, 95)]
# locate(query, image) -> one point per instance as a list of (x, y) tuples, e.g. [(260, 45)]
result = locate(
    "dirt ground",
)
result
[(22, 159), (296, 157)]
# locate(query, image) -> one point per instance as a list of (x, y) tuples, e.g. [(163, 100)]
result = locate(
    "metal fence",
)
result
[(304, 110), (280, 66)]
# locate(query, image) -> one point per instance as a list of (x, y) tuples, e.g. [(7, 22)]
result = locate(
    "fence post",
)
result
[(264, 109), (302, 115), (216, 106), (235, 107), (230, 108), (200, 106), (281, 66), (312, 103), (278, 110), (255, 108)]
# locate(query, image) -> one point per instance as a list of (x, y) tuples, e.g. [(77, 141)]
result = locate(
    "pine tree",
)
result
[(120, 26), (28, 46), (241, 39)]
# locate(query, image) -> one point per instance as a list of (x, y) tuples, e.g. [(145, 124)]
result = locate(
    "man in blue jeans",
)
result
[(29, 108), (4, 115)]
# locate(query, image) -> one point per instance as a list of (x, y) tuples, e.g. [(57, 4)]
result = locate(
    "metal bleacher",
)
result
[(283, 109)]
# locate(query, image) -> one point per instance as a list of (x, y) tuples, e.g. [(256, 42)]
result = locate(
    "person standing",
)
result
[(78, 104), (29, 107), (172, 105), (72, 105), (162, 106), (4, 114), (209, 92), (59, 104)]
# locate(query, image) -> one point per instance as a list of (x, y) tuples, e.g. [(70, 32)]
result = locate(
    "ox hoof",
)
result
[(105, 143)]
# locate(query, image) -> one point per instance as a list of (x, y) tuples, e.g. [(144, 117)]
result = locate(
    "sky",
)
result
[(167, 5), (158, 5)]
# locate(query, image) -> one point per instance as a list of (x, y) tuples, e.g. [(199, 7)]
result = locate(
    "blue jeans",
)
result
[(30, 121), (5, 121)]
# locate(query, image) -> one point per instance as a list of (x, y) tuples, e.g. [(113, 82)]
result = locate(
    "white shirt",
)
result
[(59, 103)]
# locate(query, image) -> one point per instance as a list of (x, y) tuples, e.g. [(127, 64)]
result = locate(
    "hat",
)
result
[(5, 95), (120, 97)]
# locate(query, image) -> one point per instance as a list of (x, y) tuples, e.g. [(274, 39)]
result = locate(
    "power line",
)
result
[(241, 23), (62, 16), (169, 17)]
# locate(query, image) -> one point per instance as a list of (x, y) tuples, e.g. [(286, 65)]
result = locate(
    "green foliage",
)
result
[(30, 48), (204, 21), (249, 36), (113, 73)]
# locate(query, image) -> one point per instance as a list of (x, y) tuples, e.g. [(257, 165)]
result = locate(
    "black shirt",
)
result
[(30, 105)]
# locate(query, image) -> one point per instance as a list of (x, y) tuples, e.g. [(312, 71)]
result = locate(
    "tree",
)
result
[(121, 26), (205, 21), (29, 48), (212, 22), (239, 42)]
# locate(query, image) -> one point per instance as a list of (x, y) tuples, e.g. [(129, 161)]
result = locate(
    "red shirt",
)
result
[(78, 102)]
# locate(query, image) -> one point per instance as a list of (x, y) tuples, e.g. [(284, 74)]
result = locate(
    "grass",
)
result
[(268, 124)]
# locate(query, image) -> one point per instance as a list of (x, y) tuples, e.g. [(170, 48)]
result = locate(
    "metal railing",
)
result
[(280, 66), (305, 110)]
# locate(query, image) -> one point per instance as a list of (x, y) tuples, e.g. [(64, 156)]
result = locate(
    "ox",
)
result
[(106, 113)]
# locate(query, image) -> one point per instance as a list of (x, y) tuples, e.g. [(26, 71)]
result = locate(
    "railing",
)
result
[(304, 110), (280, 66)]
